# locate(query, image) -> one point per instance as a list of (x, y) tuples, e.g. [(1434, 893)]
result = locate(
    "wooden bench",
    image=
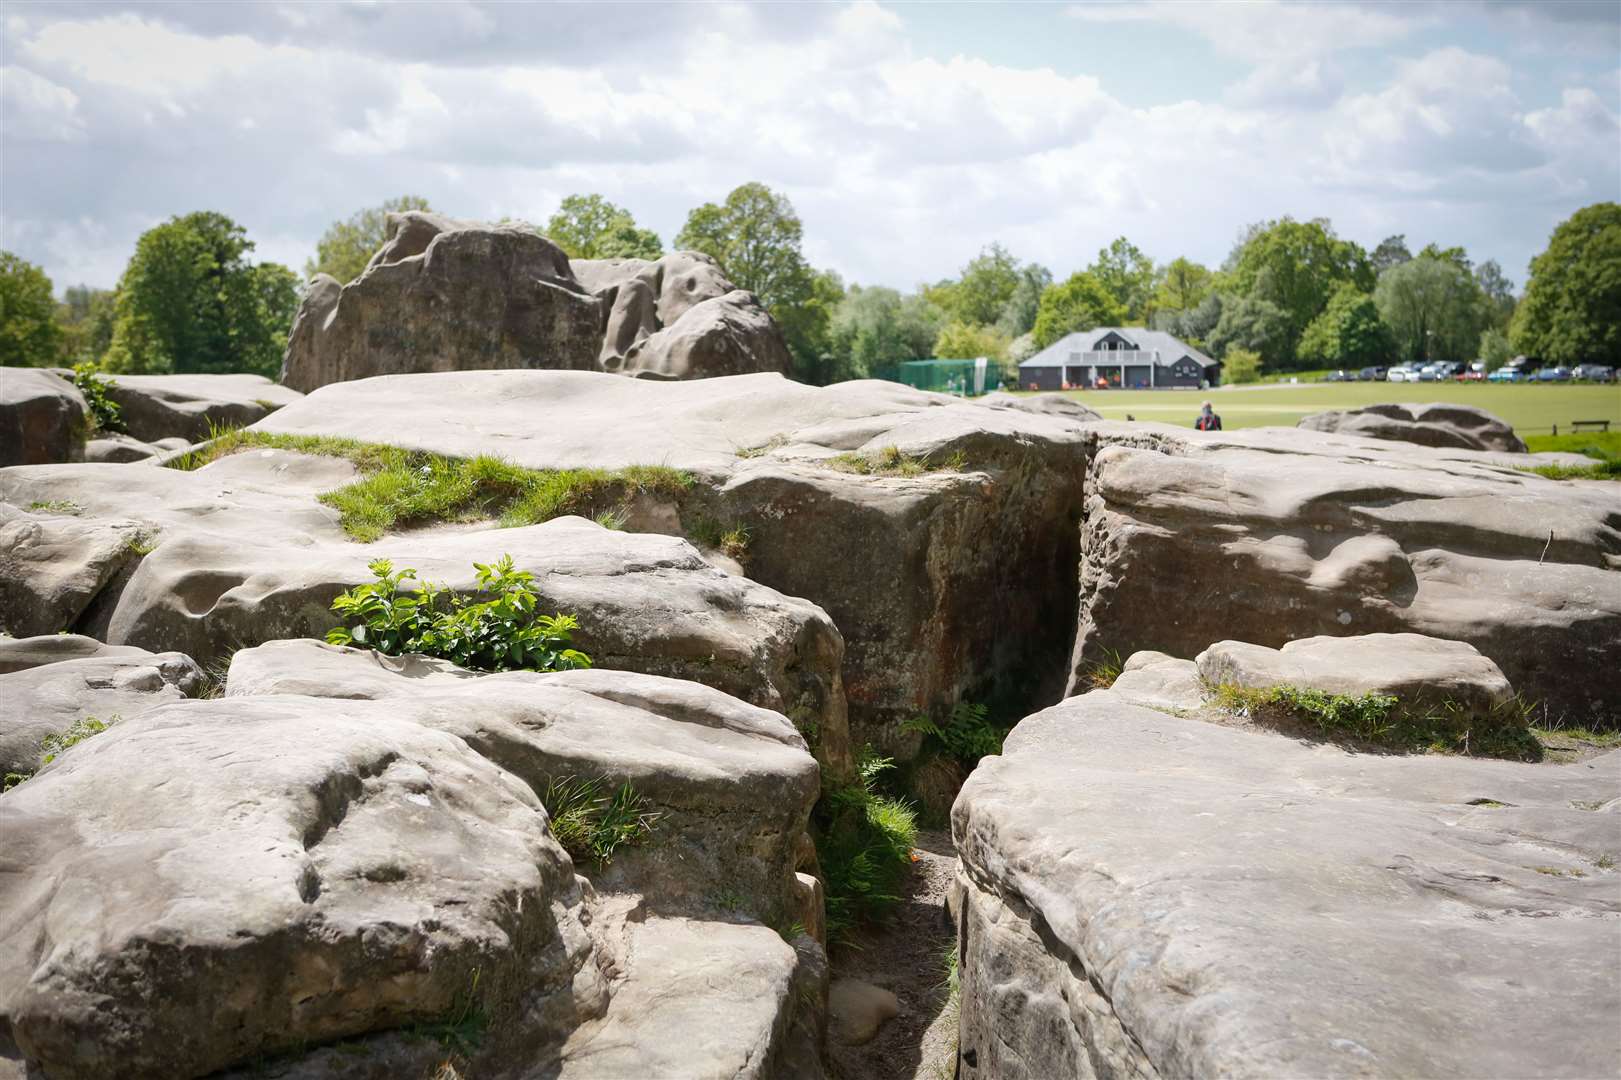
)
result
[(1590, 425)]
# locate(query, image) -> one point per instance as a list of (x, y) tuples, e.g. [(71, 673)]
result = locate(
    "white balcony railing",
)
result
[(1112, 358)]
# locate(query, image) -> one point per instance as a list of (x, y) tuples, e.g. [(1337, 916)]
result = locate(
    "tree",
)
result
[(86, 318), (1195, 325), (1498, 291), (1183, 285), (591, 227), (347, 246), (982, 293), (1297, 266), (1254, 325), (1347, 334), (808, 328), (1433, 307), (1019, 313), (1495, 349), (1080, 303), (1240, 366), (1392, 251), (29, 336), (190, 301), (966, 341), (874, 328), (1127, 275), (1571, 312)]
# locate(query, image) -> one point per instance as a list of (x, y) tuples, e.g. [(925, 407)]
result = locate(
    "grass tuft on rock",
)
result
[(1380, 722), (403, 488), (864, 843), (892, 461), (591, 823)]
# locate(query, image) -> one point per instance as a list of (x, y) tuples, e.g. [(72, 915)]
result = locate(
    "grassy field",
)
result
[(1530, 410)]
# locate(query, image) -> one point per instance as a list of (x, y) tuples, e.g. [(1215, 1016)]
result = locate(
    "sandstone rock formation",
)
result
[(372, 852), (1273, 534), (1145, 895), (158, 407), (447, 295), (118, 449), (1160, 682), (1422, 673), (946, 576), (240, 552), (42, 417), (1439, 424), (65, 682)]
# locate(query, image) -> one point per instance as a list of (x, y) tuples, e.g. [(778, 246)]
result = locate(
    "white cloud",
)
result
[(1264, 31)]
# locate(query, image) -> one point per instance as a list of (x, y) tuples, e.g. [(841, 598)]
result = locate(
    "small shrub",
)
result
[(864, 846), (504, 633), (105, 413), (593, 825)]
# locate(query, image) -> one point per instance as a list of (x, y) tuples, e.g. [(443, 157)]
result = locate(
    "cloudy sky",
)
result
[(907, 135)]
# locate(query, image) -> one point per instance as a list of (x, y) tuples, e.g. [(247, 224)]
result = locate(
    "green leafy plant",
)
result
[(592, 822), (967, 735), (864, 844), (58, 743), (55, 506), (503, 633), (104, 411)]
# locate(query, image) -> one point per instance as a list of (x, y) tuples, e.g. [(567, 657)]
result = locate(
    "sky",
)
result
[(907, 136)]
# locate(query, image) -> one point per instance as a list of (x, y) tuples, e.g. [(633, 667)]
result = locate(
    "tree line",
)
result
[(1290, 296)]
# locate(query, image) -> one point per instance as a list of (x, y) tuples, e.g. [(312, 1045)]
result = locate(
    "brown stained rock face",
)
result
[(43, 417), (188, 407), (448, 295)]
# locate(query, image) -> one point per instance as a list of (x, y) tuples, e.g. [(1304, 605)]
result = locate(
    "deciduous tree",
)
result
[(1298, 266), (966, 341), (1571, 312), (1127, 275), (29, 336), (591, 227), (1433, 308), (1079, 303), (1183, 285), (1348, 333)]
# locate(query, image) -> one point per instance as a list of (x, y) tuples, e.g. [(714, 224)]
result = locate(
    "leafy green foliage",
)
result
[(1378, 721), (1182, 286), (1433, 307), (1571, 312), (190, 301), (503, 633), (1347, 334), (29, 334), (347, 246), (591, 227), (59, 743), (1296, 266), (1127, 275), (1240, 366), (592, 820), (967, 735), (86, 318), (1080, 303), (864, 844), (104, 411), (980, 295), (966, 341), (874, 328), (1495, 349), (55, 506), (1253, 324)]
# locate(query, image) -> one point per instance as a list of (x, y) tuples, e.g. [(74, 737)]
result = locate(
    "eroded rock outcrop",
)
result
[(43, 417), (1270, 535), (1146, 895), (1440, 424), (159, 407), (241, 552), (448, 295), (939, 535)]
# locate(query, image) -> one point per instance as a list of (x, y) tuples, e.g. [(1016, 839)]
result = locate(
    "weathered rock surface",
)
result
[(857, 1009), (20, 654), (1274, 534), (1160, 682), (947, 583), (448, 295), (1439, 424), (1422, 673), (42, 417), (243, 553), (47, 698), (1146, 895), (1047, 404), (733, 782), (118, 449), (154, 407)]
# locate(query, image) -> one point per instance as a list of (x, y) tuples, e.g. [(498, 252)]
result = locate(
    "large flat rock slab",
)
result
[(1271, 535), (1439, 424), (154, 407), (1148, 895)]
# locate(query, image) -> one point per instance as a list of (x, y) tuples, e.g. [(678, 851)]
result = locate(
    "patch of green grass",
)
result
[(1599, 470), (1554, 871), (892, 461), (1375, 721), (401, 488), (592, 823), (731, 540), (762, 450), (59, 743), (1605, 862), (141, 542), (1101, 674), (1603, 445), (864, 844), (55, 506), (1579, 734)]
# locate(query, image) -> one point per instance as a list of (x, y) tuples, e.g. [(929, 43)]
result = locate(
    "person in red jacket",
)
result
[(1208, 420)]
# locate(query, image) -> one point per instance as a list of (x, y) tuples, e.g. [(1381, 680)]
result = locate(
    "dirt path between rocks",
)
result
[(907, 957)]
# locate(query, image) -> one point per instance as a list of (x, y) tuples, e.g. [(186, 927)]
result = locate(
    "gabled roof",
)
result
[(1170, 349)]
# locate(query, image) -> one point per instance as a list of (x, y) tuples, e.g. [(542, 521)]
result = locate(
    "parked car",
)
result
[(1554, 374), (1475, 372), (1402, 373), (1428, 373), (1372, 374), (1339, 376), (1506, 374), (1593, 372)]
